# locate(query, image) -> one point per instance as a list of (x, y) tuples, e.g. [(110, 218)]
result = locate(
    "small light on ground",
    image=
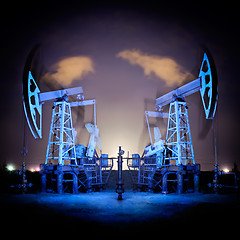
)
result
[(36, 169), (10, 167)]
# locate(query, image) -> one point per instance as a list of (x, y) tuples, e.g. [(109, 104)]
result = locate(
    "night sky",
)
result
[(124, 55)]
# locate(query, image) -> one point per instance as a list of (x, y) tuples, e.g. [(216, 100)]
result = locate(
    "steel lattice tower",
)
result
[(61, 145), (178, 139)]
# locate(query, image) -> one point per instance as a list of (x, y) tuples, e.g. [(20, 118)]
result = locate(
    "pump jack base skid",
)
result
[(66, 178), (73, 178), (180, 179), (171, 178)]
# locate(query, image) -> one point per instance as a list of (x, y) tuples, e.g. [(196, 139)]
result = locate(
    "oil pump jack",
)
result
[(169, 165), (67, 167)]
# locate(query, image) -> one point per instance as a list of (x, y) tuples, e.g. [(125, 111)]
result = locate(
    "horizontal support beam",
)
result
[(47, 96), (82, 103), (183, 91)]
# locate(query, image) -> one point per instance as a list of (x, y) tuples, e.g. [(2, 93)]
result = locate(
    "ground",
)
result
[(139, 211)]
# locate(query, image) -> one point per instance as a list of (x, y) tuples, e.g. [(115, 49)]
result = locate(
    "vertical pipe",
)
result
[(149, 128), (215, 181), (72, 157), (24, 179), (95, 116), (190, 137), (24, 153), (50, 133), (59, 179), (164, 183), (120, 189), (75, 181), (139, 170), (100, 169), (180, 179), (196, 182), (43, 181)]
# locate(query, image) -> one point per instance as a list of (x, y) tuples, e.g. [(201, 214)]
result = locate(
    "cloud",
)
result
[(164, 68), (70, 69)]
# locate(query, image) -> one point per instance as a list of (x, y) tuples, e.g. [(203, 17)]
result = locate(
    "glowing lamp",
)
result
[(225, 170), (10, 167), (37, 169)]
